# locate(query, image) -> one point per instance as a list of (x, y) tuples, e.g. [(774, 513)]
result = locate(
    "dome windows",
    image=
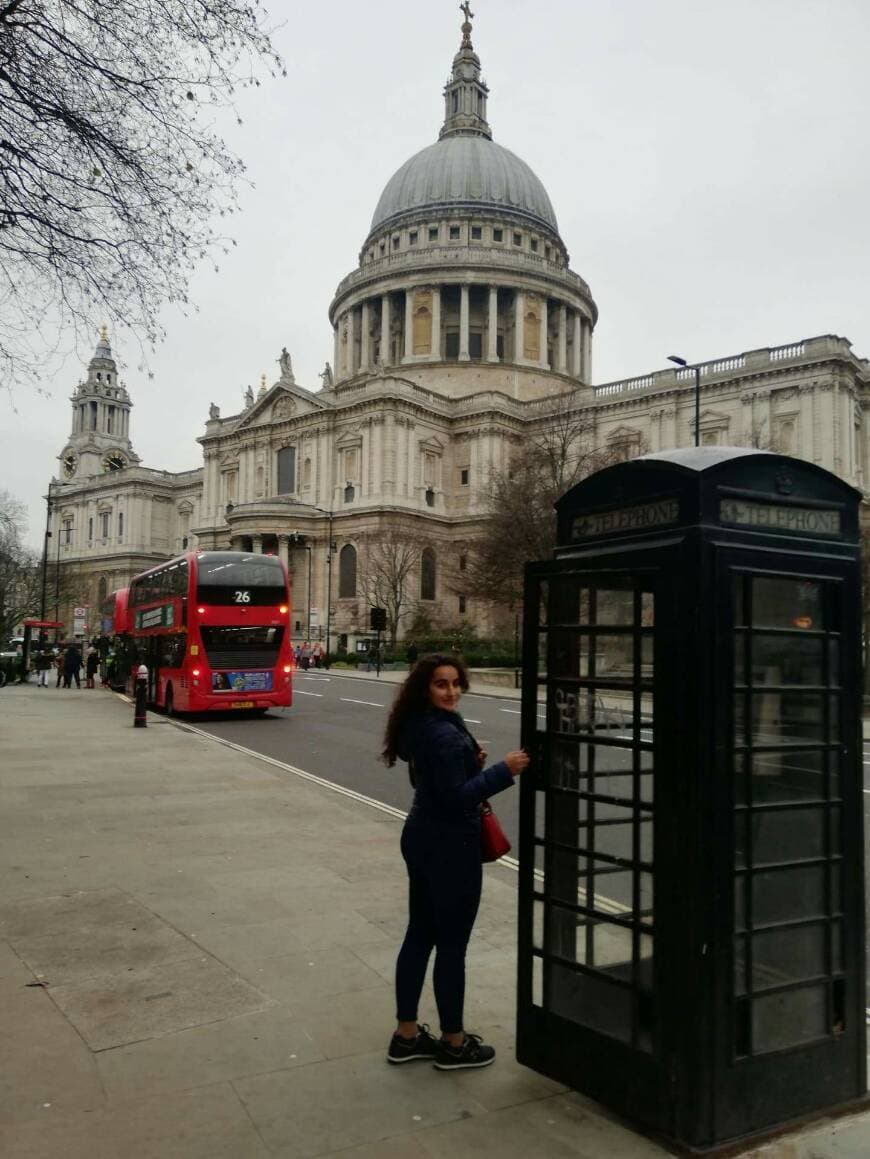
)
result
[(433, 233), (498, 235), (455, 232), (476, 233)]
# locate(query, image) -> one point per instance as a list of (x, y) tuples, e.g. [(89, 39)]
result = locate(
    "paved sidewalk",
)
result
[(196, 954)]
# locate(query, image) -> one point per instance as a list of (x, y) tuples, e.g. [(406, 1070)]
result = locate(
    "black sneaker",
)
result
[(407, 1049), (472, 1053)]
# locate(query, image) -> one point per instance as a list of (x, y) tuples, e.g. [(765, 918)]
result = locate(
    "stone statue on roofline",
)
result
[(286, 364), (326, 377), (214, 412), (249, 397)]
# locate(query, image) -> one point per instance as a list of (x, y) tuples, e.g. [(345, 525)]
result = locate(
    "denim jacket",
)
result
[(449, 783)]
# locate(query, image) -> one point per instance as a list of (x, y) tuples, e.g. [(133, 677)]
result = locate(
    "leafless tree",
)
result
[(521, 524), (20, 572), (111, 172), (388, 564)]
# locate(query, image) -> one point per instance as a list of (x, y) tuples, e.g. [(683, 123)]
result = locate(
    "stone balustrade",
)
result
[(489, 257), (812, 348)]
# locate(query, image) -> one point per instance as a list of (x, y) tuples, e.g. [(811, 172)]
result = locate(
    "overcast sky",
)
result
[(707, 162)]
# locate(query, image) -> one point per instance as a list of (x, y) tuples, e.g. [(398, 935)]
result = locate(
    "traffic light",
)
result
[(378, 619)]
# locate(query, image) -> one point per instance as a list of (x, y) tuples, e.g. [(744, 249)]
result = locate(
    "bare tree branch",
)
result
[(110, 173)]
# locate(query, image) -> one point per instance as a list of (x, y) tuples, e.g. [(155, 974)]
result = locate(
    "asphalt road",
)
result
[(335, 730)]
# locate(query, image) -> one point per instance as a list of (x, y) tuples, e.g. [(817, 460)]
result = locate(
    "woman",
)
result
[(441, 848), (92, 663)]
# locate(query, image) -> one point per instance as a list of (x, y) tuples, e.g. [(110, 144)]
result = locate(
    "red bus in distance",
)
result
[(213, 629)]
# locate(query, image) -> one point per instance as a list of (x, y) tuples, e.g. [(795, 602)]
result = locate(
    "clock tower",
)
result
[(99, 441)]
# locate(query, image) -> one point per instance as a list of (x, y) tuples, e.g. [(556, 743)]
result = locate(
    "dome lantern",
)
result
[(465, 94)]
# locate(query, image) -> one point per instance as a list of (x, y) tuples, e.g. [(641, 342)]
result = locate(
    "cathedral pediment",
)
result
[(280, 403)]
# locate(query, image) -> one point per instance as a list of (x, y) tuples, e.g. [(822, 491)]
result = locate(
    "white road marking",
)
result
[(471, 720), (370, 703), (515, 711), (302, 692)]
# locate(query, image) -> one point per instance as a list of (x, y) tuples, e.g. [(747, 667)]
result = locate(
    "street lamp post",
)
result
[(66, 530), (697, 369)]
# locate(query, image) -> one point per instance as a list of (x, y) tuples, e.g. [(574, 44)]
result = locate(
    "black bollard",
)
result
[(140, 703)]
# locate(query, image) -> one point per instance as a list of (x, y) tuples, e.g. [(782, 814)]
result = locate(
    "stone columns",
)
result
[(257, 544), (587, 350), (409, 326), (577, 352), (435, 348), (386, 357), (464, 356), (492, 326), (336, 351), (365, 350), (284, 550), (353, 322), (543, 334), (519, 325), (562, 343)]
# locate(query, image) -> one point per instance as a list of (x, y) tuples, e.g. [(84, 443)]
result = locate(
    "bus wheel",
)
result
[(168, 703)]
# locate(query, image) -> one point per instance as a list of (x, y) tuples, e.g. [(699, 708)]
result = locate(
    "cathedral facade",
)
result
[(461, 331)]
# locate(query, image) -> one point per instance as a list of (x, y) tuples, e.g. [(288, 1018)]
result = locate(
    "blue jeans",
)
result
[(444, 882)]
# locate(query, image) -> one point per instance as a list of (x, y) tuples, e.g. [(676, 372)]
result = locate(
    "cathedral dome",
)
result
[(465, 172)]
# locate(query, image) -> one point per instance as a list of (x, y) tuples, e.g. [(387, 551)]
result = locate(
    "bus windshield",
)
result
[(225, 577)]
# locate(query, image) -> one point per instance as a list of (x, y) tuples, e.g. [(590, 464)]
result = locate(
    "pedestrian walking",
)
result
[(441, 848), (316, 653), (305, 656), (43, 664), (412, 654), (92, 663), (72, 662), (58, 666)]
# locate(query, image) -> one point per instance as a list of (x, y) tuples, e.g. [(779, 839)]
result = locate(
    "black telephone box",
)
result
[(691, 947)]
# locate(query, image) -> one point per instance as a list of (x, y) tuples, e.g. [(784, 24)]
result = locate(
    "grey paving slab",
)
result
[(44, 1064), (233, 1048), (65, 912), (145, 1003), (552, 1128), (73, 956), (322, 1108), (11, 965), (296, 979), (846, 1138), (208, 1123), (352, 1024)]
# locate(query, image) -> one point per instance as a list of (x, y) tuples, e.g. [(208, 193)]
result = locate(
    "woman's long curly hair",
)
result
[(413, 697)]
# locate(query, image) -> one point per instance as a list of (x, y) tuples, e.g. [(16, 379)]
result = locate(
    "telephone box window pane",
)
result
[(778, 660), (787, 717), (647, 610), (782, 1020), (787, 835), (786, 603), (592, 1001), (615, 607), (833, 663), (783, 895), (612, 946), (788, 776), (740, 964), (740, 887), (740, 587), (538, 924), (790, 955)]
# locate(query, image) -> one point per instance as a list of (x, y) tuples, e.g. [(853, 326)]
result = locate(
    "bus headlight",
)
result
[(288, 667), (283, 609)]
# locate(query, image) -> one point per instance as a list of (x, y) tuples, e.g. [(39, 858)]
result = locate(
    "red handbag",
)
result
[(493, 840)]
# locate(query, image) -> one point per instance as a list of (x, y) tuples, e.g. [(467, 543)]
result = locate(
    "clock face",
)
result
[(114, 461), (70, 461)]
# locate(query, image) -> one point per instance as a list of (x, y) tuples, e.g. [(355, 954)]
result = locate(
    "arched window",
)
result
[(427, 574), (306, 473), (286, 470), (347, 573)]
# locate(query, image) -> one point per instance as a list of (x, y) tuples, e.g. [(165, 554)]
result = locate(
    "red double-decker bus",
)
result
[(213, 629)]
